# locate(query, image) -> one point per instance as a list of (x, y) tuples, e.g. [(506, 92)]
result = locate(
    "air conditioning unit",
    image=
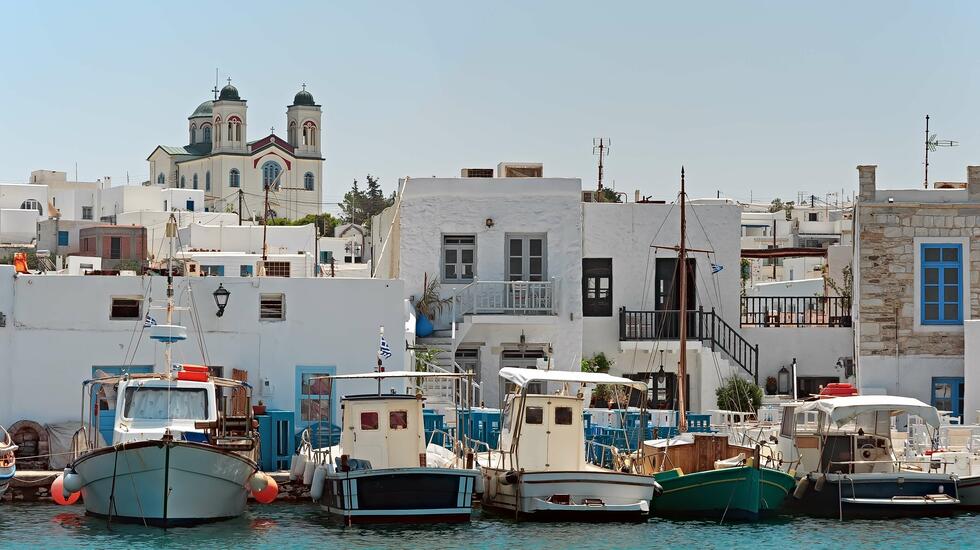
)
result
[(589, 196), (476, 173), (520, 170)]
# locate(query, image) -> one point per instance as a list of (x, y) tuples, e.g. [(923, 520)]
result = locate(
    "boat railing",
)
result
[(899, 465)]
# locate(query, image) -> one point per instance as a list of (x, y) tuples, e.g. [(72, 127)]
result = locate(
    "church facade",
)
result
[(219, 159)]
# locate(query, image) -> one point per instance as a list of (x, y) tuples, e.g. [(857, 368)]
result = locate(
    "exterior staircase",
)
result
[(439, 392)]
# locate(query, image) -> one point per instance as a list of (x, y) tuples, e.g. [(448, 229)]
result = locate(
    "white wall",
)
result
[(816, 349), (971, 371), (281, 239), (300, 265), (47, 353)]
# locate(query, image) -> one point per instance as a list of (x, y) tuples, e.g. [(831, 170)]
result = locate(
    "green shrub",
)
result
[(739, 394)]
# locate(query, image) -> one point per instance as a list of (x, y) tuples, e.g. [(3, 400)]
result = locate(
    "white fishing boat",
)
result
[(8, 462), (381, 471), (178, 455), (841, 450), (539, 470)]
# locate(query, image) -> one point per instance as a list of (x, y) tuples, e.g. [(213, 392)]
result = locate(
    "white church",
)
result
[(220, 160)]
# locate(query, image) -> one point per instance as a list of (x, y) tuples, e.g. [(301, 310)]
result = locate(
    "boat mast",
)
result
[(682, 323), (171, 233)]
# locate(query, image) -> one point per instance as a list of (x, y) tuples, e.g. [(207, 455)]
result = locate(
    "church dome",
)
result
[(229, 92), (303, 98), (204, 109)]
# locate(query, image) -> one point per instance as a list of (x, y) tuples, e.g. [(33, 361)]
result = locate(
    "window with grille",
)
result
[(115, 248), (272, 306), (125, 307), (458, 258), (597, 287), (277, 269), (86, 212)]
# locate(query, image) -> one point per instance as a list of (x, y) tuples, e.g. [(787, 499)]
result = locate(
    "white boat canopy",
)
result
[(394, 374), (842, 410), (523, 377)]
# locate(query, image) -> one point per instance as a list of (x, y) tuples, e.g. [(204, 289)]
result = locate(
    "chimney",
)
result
[(866, 181), (973, 183)]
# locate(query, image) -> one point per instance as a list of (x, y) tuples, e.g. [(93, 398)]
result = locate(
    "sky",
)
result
[(756, 99)]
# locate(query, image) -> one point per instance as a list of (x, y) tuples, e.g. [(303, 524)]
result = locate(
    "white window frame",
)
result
[(91, 212), (964, 243), (459, 248)]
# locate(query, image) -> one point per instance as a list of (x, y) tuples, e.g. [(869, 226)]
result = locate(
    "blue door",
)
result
[(104, 401), (947, 394), (312, 397)]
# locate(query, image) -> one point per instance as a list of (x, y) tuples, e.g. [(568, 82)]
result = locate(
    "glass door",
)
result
[(947, 395), (526, 263)]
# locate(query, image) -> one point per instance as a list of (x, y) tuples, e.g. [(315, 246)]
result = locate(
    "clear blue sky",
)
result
[(761, 98)]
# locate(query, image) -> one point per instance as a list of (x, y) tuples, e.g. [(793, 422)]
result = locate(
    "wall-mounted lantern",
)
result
[(221, 298), (782, 381)]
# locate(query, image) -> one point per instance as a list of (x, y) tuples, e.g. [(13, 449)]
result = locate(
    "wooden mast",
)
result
[(682, 323)]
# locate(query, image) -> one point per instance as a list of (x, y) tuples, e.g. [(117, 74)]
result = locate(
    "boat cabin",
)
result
[(385, 430), (845, 435), (148, 407), (549, 427)]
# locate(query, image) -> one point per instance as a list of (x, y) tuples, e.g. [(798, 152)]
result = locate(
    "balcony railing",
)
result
[(703, 326), (506, 298), (796, 311)]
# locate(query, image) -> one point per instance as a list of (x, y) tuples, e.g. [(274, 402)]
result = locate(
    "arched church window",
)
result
[(31, 204), (309, 134), (234, 128), (193, 133), (234, 178), (308, 181), (270, 171), (161, 179), (195, 181), (207, 180), (292, 133), (207, 134), (183, 182)]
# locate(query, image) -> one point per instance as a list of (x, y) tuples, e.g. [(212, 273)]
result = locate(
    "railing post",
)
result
[(756, 373), (622, 323)]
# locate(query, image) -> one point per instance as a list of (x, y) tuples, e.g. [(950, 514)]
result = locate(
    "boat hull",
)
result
[(968, 491), (568, 496), (7, 473), (164, 483), (744, 492), (400, 495), (878, 495)]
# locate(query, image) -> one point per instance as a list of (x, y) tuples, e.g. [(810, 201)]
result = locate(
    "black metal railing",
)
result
[(795, 311), (706, 327)]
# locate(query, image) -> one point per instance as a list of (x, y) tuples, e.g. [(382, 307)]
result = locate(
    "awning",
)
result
[(842, 410), (523, 377)]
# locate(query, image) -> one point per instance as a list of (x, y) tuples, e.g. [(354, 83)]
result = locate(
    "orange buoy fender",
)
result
[(267, 495), (60, 495)]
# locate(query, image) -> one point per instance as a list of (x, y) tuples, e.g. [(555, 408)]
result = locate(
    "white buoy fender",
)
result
[(72, 482), (308, 473), (801, 486), (297, 466), (258, 482), (818, 485), (319, 479)]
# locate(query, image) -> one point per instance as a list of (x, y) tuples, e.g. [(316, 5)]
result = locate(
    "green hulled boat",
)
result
[(741, 492)]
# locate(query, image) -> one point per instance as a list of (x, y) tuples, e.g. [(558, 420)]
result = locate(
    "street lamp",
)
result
[(221, 298)]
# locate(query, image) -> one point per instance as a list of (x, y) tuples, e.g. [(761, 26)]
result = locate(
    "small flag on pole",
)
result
[(715, 268), (384, 351), (149, 321)]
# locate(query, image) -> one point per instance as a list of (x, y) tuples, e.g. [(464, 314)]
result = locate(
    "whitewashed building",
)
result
[(281, 331)]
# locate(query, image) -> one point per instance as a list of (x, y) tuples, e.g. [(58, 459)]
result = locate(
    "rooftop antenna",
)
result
[(215, 90), (931, 144), (600, 146)]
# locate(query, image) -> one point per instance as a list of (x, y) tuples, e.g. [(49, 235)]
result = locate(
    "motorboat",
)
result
[(842, 452), (539, 470), (175, 459), (382, 471)]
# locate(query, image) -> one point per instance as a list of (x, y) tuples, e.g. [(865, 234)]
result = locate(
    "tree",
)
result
[(739, 394), (777, 204), (845, 288), (608, 195), (358, 206)]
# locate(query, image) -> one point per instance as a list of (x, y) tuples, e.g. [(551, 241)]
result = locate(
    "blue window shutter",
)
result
[(941, 285), (62, 238), (190, 205)]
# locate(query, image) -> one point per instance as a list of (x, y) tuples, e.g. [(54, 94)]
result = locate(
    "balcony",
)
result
[(795, 311), (705, 327), (506, 298)]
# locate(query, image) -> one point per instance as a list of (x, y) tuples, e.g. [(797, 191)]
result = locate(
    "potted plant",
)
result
[(429, 306), (771, 385), (258, 409)]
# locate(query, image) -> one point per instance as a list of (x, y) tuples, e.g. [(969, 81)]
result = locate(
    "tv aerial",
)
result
[(931, 145)]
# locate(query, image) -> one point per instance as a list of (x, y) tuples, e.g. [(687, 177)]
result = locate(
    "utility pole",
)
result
[(931, 144), (925, 183), (241, 195)]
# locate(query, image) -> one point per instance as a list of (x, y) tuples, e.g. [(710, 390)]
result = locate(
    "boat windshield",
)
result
[(166, 403)]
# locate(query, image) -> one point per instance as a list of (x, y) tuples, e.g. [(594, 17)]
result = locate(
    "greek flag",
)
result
[(715, 268), (384, 351), (149, 321)]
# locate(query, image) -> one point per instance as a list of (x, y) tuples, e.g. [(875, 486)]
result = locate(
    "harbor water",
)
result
[(291, 525)]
